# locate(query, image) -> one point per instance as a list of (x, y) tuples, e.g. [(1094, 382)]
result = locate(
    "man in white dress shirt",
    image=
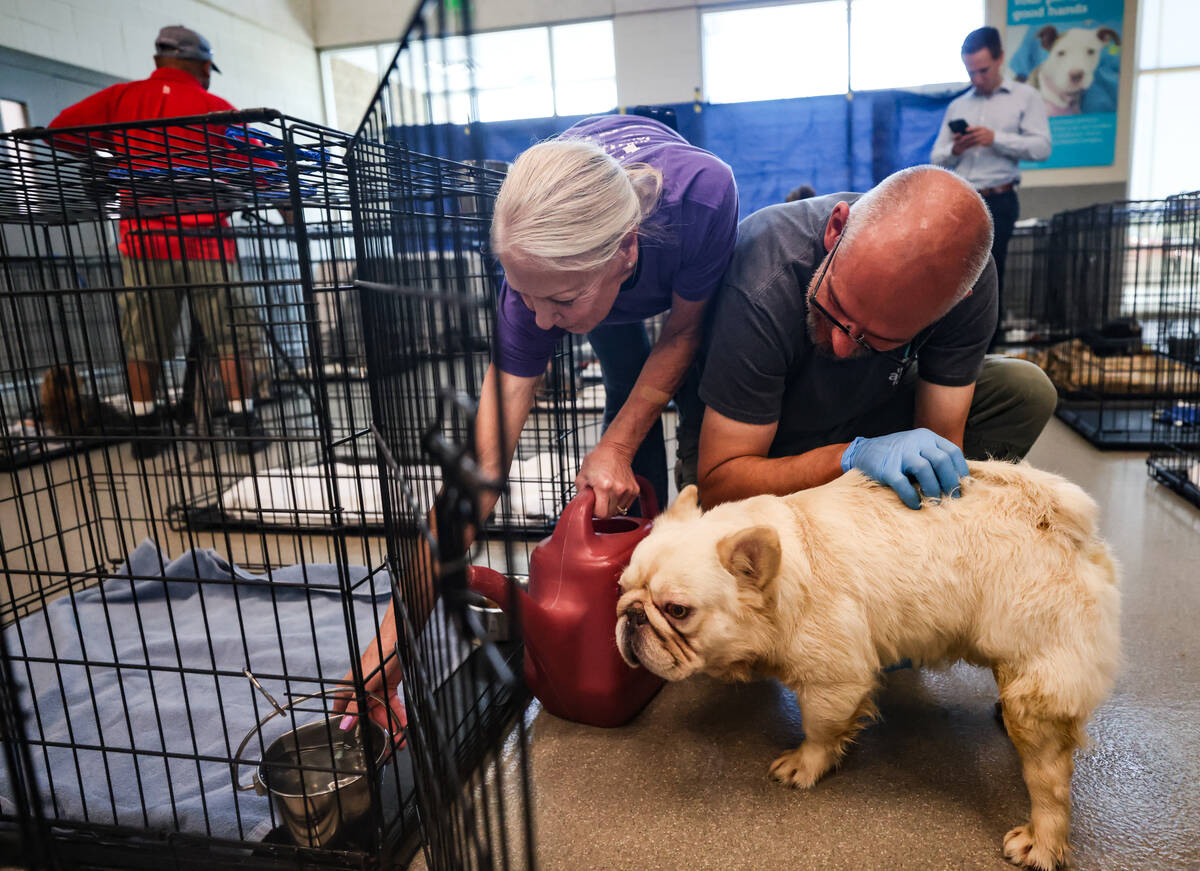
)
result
[(1005, 123)]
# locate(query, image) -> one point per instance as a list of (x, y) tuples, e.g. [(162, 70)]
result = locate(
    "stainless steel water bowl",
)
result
[(495, 621), (316, 776)]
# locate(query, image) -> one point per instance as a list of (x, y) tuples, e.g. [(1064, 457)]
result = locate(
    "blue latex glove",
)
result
[(936, 463)]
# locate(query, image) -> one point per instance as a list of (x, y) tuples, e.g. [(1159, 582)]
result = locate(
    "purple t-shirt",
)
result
[(686, 252)]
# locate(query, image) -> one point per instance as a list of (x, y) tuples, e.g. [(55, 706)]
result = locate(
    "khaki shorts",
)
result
[(225, 312)]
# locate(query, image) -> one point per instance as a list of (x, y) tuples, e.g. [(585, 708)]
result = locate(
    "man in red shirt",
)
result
[(182, 246)]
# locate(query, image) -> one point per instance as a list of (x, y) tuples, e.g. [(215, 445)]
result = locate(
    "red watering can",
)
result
[(569, 615)]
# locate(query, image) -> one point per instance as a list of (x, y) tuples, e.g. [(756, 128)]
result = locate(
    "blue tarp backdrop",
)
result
[(832, 143)]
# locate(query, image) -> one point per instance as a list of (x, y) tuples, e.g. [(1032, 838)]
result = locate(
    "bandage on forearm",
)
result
[(652, 394)]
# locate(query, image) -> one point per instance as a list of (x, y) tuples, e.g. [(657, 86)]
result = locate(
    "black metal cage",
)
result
[(239, 356), (1032, 315), (1175, 461), (187, 439), (423, 195), (1111, 310)]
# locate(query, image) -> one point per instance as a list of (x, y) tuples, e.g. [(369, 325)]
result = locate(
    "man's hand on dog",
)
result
[(935, 463), (974, 136)]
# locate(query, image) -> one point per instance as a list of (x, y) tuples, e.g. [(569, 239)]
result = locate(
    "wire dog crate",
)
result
[(212, 444), (1108, 284), (137, 591), (1176, 460), (423, 197)]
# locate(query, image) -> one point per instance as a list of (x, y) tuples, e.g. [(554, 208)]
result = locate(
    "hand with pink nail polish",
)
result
[(382, 681)]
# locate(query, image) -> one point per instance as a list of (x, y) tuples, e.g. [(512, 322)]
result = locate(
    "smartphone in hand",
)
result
[(958, 126)]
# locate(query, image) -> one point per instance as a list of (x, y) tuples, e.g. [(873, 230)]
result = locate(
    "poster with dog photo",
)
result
[(1070, 52)]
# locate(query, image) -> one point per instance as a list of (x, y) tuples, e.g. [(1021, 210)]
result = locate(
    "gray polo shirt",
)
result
[(760, 366)]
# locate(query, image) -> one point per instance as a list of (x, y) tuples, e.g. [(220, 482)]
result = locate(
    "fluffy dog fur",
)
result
[(823, 588)]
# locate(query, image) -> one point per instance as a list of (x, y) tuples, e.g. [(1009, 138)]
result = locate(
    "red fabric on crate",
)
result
[(167, 93)]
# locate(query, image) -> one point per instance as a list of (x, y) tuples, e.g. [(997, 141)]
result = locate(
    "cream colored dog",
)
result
[(823, 588)]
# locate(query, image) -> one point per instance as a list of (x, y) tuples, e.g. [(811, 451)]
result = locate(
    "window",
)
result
[(775, 52), (804, 49), (530, 72), (904, 45), (585, 68), (1166, 126), (17, 155), (13, 116)]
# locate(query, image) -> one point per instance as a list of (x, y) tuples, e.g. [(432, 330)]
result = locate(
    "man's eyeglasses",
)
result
[(902, 363)]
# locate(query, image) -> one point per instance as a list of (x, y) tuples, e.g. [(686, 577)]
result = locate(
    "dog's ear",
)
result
[(751, 555), (686, 506), (1107, 34), (1048, 35)]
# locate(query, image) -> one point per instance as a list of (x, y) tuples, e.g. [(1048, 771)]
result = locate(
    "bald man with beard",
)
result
[(851, 332)]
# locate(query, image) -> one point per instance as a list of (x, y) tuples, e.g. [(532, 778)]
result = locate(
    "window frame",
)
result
[(744, 7), (383, 59), (849, 4), (24, 109), (1139, 107)]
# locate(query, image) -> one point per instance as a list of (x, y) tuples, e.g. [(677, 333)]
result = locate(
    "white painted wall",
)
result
[(658, 56), (263, 47), (338, 22)]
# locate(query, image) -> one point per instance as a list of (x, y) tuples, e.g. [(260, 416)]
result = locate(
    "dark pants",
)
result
[(622, 350), (1005, 209)]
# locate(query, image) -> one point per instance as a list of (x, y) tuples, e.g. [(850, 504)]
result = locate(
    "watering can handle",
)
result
[(237, 761), (577, 518), (649, 498)]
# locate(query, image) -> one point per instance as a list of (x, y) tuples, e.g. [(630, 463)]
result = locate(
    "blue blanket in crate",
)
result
[(165, 618)]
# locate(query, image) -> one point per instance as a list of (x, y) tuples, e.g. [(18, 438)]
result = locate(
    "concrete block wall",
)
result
[(263, 47)]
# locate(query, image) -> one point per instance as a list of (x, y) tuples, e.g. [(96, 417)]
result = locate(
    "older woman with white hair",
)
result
[(615, 221)]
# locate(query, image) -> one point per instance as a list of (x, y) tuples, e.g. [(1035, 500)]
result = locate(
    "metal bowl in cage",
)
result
[(495, 622), (317, 775)]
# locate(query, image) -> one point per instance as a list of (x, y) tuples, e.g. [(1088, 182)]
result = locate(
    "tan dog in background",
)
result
[(823, 588)]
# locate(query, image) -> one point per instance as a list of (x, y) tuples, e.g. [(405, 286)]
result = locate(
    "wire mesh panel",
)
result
[(1106, 274), (1175, 461), (1032, 314), (423, 204), (176, 317)]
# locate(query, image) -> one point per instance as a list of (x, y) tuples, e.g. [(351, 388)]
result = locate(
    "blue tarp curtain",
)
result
[(832, 143)]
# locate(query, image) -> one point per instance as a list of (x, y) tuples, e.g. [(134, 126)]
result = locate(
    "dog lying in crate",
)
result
[(67, 410), (823, 588)]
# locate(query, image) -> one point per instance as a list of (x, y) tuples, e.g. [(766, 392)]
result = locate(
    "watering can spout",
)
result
[(495, 586)]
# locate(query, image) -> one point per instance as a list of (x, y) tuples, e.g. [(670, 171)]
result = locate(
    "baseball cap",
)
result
[(180, 41)]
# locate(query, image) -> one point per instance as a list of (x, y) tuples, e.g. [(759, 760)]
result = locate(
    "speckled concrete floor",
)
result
[(936, 783)]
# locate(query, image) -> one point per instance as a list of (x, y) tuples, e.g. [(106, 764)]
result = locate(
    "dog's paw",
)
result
[(1022, 848), (800, 768)]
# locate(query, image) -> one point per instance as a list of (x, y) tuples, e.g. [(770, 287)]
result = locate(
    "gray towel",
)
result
[(152, 612)]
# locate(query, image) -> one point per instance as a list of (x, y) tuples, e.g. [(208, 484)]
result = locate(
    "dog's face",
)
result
[(1074, 56), (698, 594)]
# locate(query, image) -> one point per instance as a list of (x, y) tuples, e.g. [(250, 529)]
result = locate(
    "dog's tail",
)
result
[(1058, 506)]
